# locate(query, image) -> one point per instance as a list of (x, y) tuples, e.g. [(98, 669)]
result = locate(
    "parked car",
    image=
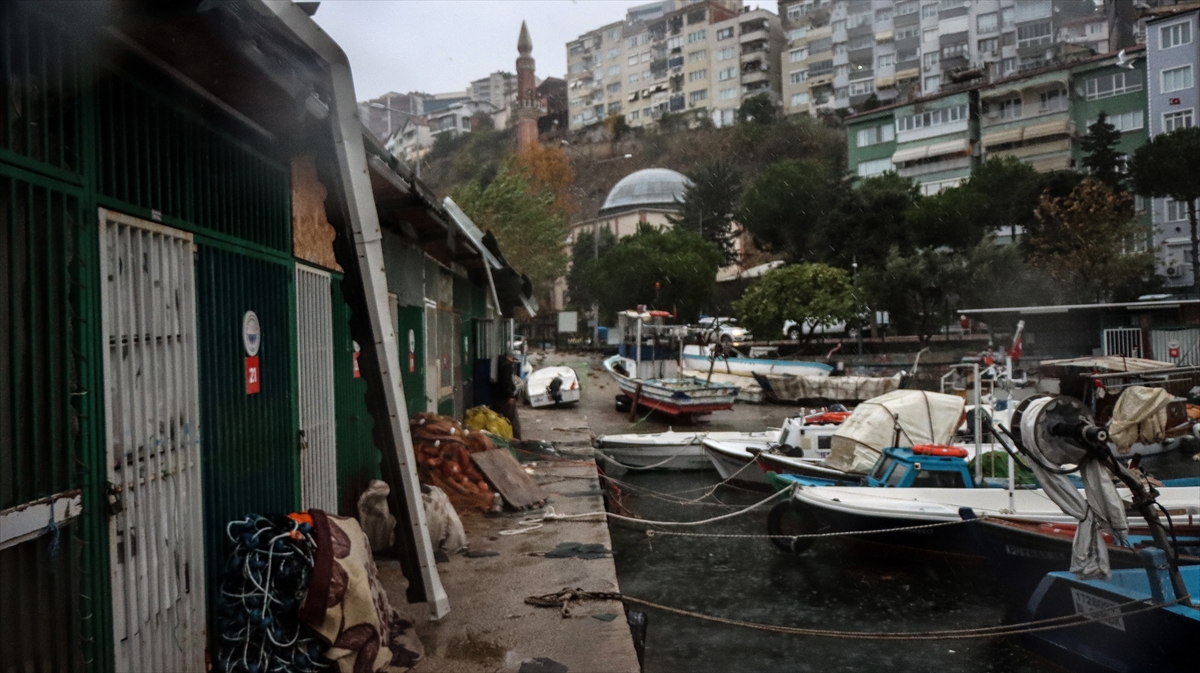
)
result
[(729, 330), (793, 329)]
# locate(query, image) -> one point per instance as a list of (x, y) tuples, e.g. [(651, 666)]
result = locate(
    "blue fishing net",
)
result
[(264, 582)]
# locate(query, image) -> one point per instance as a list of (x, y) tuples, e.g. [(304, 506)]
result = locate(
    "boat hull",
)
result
[(1152, 641), (675, 397), (749, 366), (734, 464), (687, 457)]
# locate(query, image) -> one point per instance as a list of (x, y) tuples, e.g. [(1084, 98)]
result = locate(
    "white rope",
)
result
[(551, 515), (635, 467), (844, 533)]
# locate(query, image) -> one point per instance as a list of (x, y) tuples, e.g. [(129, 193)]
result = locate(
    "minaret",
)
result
[(527, 103)]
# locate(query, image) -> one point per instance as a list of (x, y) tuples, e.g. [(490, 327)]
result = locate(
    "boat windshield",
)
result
[(897, 474), (882, 468)]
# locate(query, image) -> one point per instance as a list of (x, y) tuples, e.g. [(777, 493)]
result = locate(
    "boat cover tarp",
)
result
[(1099, 506), (924, 418), (793, 388), (1140, 415), (1109, 363)]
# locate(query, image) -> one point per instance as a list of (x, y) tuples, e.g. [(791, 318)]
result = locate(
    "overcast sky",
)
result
[(441, 45)]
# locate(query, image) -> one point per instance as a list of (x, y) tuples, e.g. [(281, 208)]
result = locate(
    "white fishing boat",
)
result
[(699, 358), (551, 386), (671, 450), (798, 441), (686, 397), (733, 460)]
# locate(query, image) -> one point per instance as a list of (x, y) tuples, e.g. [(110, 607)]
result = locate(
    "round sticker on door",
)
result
[(251, 333)]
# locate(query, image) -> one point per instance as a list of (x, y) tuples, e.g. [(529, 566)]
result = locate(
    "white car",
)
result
[(730, 332), (793, 329)]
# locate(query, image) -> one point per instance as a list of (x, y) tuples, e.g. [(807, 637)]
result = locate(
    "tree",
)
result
[(549, 167), (757, 110), (708, 205), (867, 221), (585, 251), (1080, 242), (1100, 155), (813, 294), (1001, 194), (525, 220), (920, 290), (786, 203), (1169, 166), (672, 269)]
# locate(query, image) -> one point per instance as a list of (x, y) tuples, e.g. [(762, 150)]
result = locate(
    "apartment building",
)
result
[(843, 53), (1173, 101), (699, 59), (498, 88)]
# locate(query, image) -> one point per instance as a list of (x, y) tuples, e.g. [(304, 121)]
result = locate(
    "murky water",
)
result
[(837, 584)]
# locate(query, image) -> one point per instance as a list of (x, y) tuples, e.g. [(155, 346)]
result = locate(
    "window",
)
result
[(884, 14), (1095, 28), (726, 54), (1177, 79), (696, 17), (578, 66), (1033, 34), (614, 108), (1008, 65), (728, 94), (861, 42), (633, 115), (839, 49), (838, 26), (1177, 120), (697, 75), (938, 479), (841, 71), (861, 88), (675, 42), (614, 70), (820, 46), (798, 76), (987, 23), (956, 49), (614, 52), (875, 135), (897, 474), (800, 99), (798, 10), (697, 96), (1004, 109), (856, 20), (868, 169), (1007, 18), (907, 32), (633, 78), (885, 61), (797, 55), (1052, 101), (633, 60), (930, 60), (929, 35), (933, 82), (698, 55), (796, 33), (615, 87), (1029, 10), (882, 468), (1176, 210), (1124, 122), (931, 118), (989, 45), (631, 42), (842, 93), (906, 55), (726, 74), (614, 34), (1115, 84), (910, 7), (1174, 36), (725, 33)]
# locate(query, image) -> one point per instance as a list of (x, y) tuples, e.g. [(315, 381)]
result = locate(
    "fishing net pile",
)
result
[(264, 584), (444, 448)]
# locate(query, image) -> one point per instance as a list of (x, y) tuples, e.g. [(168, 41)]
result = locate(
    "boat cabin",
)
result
[(903, 468)]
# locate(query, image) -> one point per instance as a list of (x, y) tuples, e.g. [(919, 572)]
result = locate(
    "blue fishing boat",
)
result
[(1124, 632)]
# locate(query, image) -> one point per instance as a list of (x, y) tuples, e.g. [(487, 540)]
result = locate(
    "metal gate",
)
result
[(153, 445), (318, 434), (1126, 341)]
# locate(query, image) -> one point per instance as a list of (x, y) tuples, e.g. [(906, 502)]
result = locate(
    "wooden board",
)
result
[(507, 476)]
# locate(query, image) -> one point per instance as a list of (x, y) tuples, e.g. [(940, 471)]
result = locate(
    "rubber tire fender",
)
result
[(807, 521)]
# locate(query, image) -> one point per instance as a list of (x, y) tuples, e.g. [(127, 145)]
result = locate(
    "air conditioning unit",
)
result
[(1174, 271)]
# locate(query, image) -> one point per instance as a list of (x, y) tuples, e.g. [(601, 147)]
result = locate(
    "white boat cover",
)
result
[(1140, 415), (790, 387), (924, 418)]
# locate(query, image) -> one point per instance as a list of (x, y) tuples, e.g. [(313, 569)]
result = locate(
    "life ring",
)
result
[(940, 450)]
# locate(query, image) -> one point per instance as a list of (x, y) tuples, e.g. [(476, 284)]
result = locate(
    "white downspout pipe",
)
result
[(368, 244)]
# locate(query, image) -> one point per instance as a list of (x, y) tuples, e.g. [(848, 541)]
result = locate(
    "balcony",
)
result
[(758, 46)]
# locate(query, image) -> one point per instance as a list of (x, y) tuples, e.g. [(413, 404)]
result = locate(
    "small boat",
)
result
[(1126, 636), (792, 388), (700, 358), (687, 397), (671, 450), (552, 386), (851, 509), (802, 439), (734, 460), (1022, 553)]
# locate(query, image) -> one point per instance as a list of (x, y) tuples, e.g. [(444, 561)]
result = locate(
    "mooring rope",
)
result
[(1049, 624), (635, 468), (939, 524), (549, 514)]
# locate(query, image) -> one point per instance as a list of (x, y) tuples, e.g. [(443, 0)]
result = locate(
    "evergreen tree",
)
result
[(583, 254), (1100, 155), (708, 205), (1169, 165)]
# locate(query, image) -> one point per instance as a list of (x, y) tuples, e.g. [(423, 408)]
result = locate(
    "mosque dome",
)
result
[(649, 187)]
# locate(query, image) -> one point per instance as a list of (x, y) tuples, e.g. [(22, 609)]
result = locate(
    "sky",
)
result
[(441, 45)]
